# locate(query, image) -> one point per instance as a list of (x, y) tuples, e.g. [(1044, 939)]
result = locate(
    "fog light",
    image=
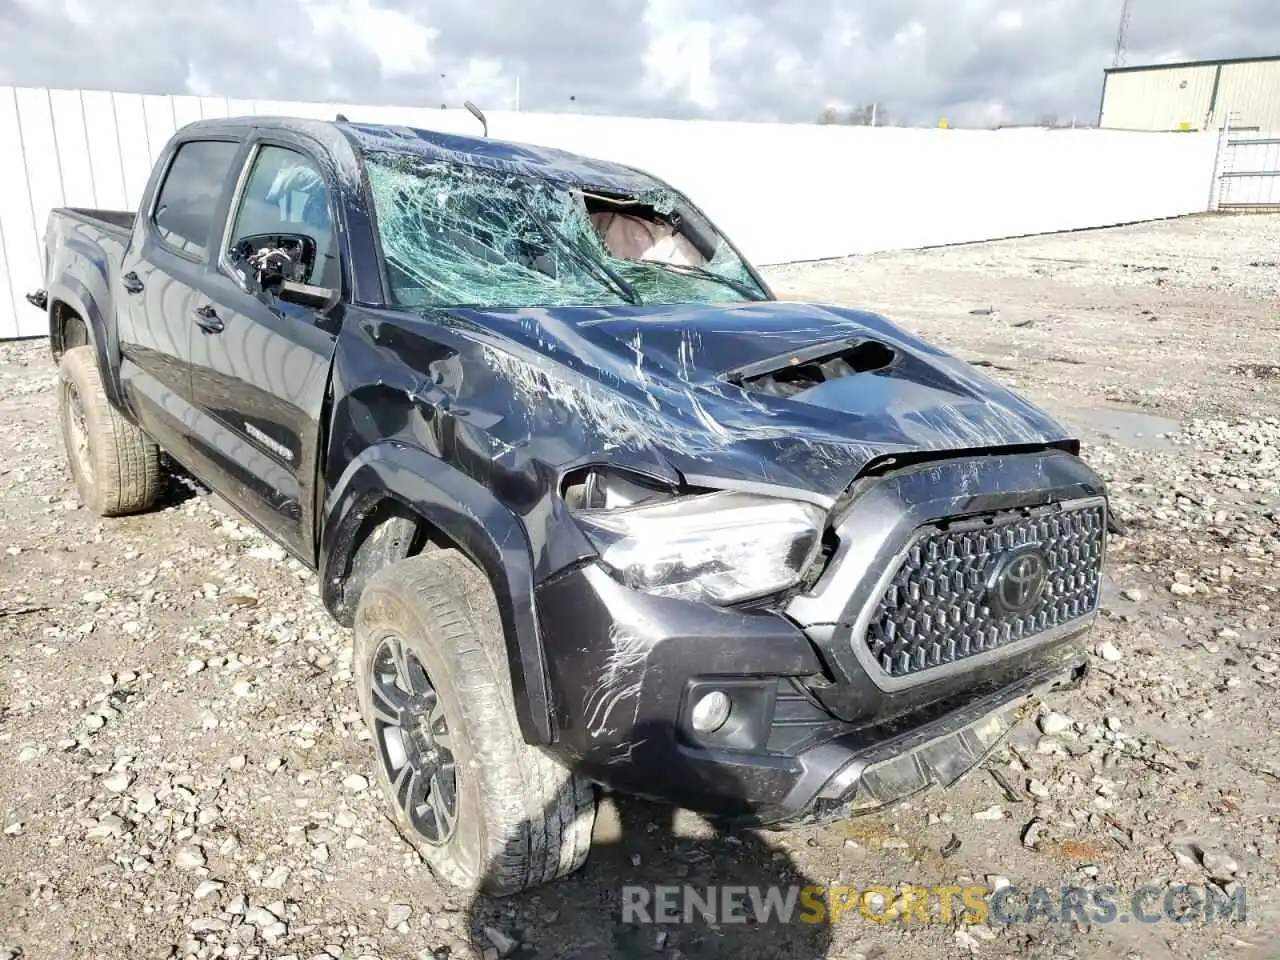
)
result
[(711, 711)]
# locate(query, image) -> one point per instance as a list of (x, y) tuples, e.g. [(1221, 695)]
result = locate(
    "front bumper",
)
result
[(623, 666)]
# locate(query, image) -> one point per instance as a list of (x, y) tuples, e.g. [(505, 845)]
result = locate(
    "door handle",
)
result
[(207, 319), (131, 283)]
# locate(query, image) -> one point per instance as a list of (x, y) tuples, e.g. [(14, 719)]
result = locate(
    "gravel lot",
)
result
[(183, 773)]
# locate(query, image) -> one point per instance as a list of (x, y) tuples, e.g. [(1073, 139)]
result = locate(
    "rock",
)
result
[(242, 688), (189, 858), (108, 826), (208, 925), (95, 597), (260, 916), (501, 942), (1108, 651), (276, 879), (1263, 665), (237, 762), (266, 552), (194, 667), (1037, 789), (274, 931), (1133, 594), (118, 782), (1053, 724), (997, 881), (1218, 864), (355, 783), (208, 888), (966, 941), (991, 813), (1031, 833), (1047, 746), (1181, 589), (397, 914)]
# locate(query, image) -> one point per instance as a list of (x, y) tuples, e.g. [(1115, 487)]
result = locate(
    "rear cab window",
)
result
[(183, 215)]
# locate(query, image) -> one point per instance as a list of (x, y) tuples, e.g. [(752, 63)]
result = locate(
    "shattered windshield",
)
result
[(454, 235)]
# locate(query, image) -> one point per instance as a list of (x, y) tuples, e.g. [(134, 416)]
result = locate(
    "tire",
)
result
[(521, 819), (116, 467)]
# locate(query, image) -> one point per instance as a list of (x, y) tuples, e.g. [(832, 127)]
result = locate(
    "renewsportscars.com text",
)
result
[(974, 904)]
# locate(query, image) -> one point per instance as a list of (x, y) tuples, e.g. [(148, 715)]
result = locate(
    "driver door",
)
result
[(260, 366)]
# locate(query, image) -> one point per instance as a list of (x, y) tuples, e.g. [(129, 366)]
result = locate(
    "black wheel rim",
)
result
[(413, 739), (77, 432)]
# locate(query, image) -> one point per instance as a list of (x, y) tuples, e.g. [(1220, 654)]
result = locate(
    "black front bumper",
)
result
[(623, 667)]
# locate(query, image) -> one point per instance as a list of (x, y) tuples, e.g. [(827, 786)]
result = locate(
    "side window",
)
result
[(285, 194), (190, 191)]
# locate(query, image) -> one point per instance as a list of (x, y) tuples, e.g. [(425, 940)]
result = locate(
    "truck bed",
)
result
[(119, 222)]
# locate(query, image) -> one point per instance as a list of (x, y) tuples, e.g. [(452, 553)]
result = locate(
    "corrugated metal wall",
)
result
[(782, 191), (1172, 99), (1193, 96), (1250, 94)]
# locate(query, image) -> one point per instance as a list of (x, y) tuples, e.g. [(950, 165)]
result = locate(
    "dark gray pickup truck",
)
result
[(600, 508)]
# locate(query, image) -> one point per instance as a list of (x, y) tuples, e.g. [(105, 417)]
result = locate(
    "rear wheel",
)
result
[(116, 467), (487, 811)]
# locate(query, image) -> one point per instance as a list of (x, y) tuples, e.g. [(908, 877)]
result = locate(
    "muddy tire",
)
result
[(116, 467), (487, 812)]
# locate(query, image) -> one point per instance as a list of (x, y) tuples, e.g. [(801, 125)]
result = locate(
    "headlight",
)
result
[(719, 547)]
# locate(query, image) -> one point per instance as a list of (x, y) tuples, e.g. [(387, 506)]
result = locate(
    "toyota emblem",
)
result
[(1018, 581)]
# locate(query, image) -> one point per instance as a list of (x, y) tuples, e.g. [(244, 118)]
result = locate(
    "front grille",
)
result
[(940, 607)]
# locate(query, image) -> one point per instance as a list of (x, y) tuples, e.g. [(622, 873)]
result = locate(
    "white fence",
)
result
[(784, 192)]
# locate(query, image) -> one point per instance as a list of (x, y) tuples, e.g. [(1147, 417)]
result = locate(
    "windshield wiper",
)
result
[(702, 273), (627, 291)]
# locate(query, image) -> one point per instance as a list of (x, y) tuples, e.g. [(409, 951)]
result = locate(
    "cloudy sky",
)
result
[(975, 61)]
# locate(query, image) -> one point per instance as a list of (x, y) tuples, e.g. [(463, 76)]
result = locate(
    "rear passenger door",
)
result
[(260, 366), (164, 269)]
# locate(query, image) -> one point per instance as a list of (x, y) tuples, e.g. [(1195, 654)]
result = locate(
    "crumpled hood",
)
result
[(749, 391)]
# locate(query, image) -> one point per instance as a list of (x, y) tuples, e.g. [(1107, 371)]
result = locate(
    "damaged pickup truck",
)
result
[(601, 510)]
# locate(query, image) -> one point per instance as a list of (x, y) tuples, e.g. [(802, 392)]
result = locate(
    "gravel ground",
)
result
[(184, 773)]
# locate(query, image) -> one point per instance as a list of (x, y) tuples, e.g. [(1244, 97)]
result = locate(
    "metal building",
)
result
[(1193, 96)]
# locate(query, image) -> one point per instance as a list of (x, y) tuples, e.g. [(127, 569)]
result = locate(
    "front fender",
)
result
[(466, 513)]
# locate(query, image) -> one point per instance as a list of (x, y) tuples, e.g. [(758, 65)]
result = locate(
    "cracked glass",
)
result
[(455, 235)]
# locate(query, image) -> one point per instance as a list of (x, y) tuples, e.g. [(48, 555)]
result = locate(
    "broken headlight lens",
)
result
[(721, 548)]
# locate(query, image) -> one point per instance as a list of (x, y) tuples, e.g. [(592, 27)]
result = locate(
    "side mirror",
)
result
[(278, 265), (266, 259), (305, 294)]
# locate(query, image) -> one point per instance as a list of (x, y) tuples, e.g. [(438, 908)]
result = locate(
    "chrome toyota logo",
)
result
[(1018, 580)]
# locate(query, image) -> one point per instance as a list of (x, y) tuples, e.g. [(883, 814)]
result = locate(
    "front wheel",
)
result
[(487, 811)]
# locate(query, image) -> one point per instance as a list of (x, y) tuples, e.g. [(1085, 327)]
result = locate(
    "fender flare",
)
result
[(72, 293), (485, 531)]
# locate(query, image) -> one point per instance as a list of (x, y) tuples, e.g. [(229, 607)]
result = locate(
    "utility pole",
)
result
[(1122, 35)]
